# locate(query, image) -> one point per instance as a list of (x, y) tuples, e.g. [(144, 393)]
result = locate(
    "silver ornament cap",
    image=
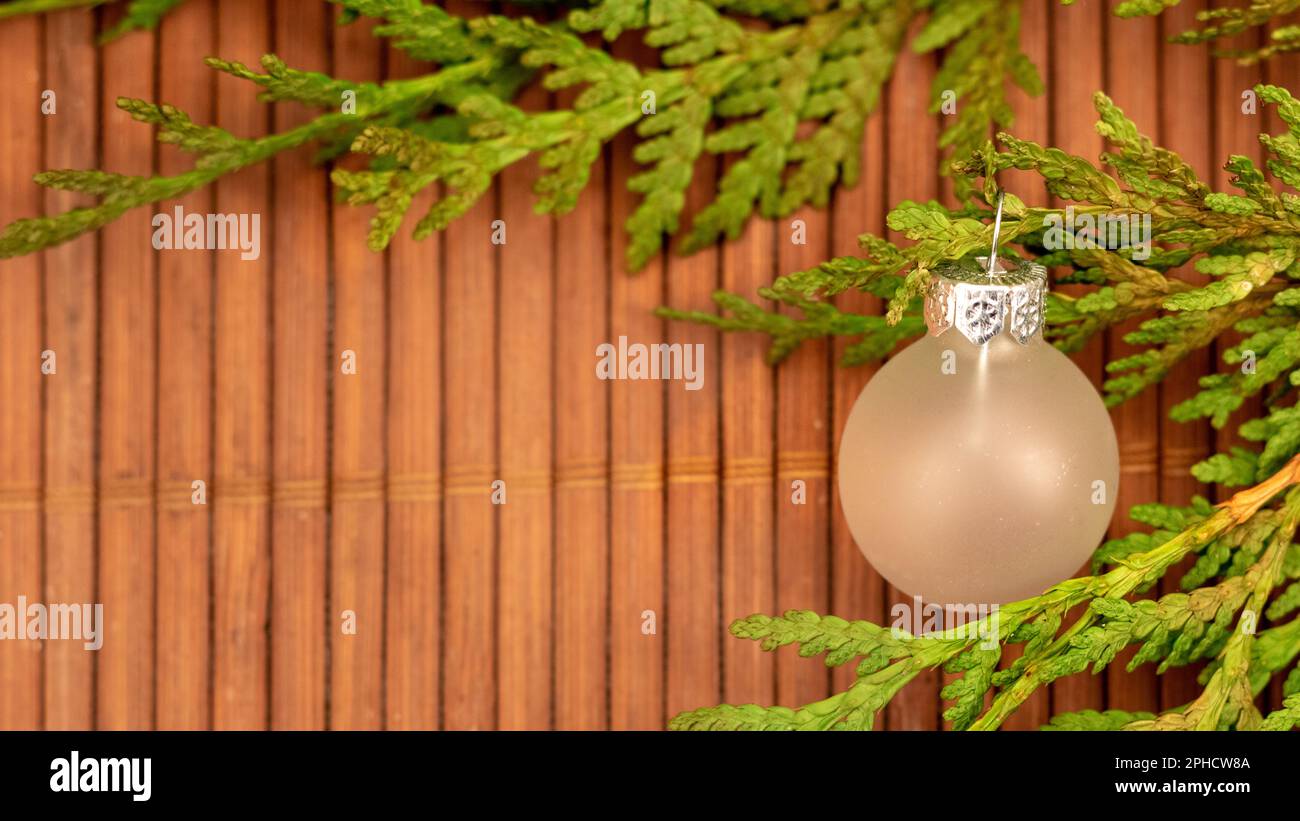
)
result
[(981, 300)]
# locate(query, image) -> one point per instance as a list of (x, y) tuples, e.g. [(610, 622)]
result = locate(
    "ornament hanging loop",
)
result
[(982, 297), (997, 228)]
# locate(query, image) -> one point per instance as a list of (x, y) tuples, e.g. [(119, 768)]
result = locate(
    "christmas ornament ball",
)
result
[(979, 465)]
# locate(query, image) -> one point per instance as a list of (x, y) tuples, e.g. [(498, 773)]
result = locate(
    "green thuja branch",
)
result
[(1229, 20), (980, 56), (139, 14), (217, 151), (1244, 569), (1228, 699), (17, 8), (1093, 720), (1172, 630), (785, 102), (1125, 233)]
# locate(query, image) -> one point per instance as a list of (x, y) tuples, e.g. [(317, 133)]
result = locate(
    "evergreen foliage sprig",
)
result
[(1237, 611), (1248, 244), (784, 102), (217, 151), (1218, 623), (788, 101), (139, 14), (1228, 20)]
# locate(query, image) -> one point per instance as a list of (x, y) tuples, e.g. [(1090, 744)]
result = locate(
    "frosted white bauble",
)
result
[(978, 473)]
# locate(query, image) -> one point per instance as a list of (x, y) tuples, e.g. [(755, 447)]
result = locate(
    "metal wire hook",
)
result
[(997, 227)]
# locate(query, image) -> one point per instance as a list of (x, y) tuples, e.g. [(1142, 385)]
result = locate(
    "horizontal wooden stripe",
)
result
[(638, 476), (528, 481), (732, 469), (645, 484), (803, 465), (814, 458), (582, 473), (298, 493), (176, 495), (126, 493), (247, 490), (469, 480), (705, 478), (242, 490), (1142, 469), (16, 497), (688, 463), (476, 489), (690, 470), (414, 487), (1176, 463), (70, 499), (574, 484), (1138, 452), (358, 487), (747, 481), (747, 471)]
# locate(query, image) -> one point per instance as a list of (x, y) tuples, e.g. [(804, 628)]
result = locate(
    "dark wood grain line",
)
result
[(128, 337), (185, 397), (691, 626), (857, 591), (803, 456), (749, 583), (302, 365), (637, 409), (20, 376), (358, 454), (242, 446), (71, 331), (414, 403), (469, 448), (582, 448), (526, 329)]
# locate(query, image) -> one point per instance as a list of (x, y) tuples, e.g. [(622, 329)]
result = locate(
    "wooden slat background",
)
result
[(370, 493)]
